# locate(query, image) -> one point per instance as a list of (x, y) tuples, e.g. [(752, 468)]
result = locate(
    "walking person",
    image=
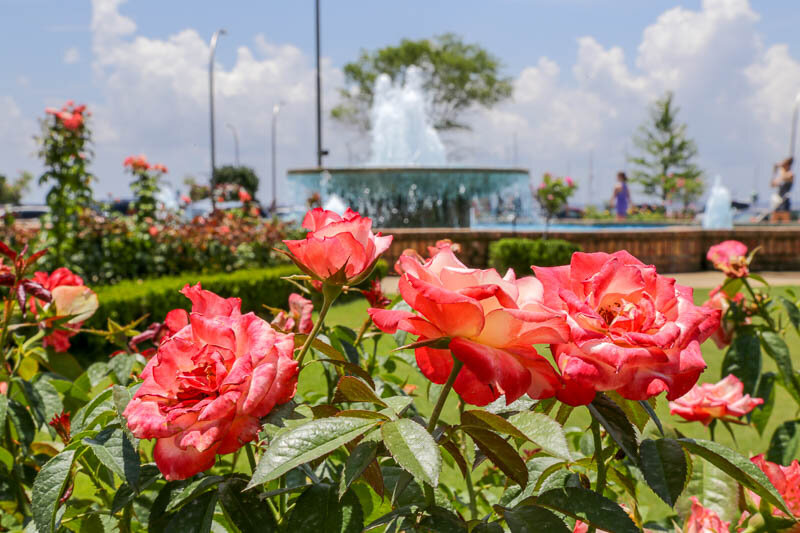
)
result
[(783, 181), (621, 198)]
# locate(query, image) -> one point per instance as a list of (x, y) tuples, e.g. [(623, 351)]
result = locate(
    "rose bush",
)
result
[(211, 381)]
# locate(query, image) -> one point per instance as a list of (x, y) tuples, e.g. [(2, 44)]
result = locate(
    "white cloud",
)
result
[(72, 55), (735, 95), (16, 141)]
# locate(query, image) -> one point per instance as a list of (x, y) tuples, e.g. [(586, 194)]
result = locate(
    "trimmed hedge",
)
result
[(520, 254), (128, 300)]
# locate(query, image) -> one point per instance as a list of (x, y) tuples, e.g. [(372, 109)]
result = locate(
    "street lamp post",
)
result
[(320, 151), (275, 110), (794, 125), (235, 142), (213, 46)]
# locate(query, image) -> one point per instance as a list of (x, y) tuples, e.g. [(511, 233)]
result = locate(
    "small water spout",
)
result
[(402, 132), (718, 213)]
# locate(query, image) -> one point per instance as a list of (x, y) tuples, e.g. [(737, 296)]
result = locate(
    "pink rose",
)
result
[(206, 389), (488, 322), (710, 401), (298, 319), (704, 520), (339, 250), (631, 330), (244, 196), (729, 257), (718, 299), (785, 478), (62, 298), (569, 181)]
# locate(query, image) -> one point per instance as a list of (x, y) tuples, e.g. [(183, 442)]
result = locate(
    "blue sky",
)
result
[(584, 72)]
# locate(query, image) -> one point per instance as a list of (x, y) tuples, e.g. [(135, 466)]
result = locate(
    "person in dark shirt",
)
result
[(783, 181)]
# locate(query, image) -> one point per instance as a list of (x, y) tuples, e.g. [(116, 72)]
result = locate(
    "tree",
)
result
[(458, 76), (243, 176), (665, 166), (11, 193), (552, 195)]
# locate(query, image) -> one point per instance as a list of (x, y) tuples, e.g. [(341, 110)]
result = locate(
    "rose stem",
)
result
[(329, 294)]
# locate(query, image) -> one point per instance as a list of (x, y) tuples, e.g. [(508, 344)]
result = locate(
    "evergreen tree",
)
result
[(664, 166)]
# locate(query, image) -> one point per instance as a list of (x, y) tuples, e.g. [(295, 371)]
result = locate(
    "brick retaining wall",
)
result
[(670, 249)]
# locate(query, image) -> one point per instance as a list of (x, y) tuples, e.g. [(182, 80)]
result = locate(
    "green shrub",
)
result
[(520, 254)]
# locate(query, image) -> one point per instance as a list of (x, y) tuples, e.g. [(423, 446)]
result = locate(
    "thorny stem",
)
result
[(601, 465), (762, 311), (329, 294), (362, 331), (473, 507)]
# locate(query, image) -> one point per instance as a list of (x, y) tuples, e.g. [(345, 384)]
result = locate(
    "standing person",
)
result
[(783, 181), (621, 197)]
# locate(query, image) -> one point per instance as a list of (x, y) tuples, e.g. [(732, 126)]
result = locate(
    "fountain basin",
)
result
[(420, 196)]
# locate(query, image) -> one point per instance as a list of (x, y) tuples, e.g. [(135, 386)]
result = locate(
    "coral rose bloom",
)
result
[(298, 319), (631, 330), (335, 243), (729, 257), (62, 298), (787, 480), (490, 322), (718, 299), (709, 401), (704, 520), (209, 384)]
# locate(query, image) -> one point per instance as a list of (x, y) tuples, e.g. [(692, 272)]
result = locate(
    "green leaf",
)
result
[(766, 391), (543, 431), (122, 366), (792, 311), (738, 467), (743, 360), (347, 366), (613, 419), (3, 415), (440, 520), (633, 410), (785, 442), (715, 489), (652, 413), (487, 420), (501, 453), (50, 399), (196, 516), (22, 422), (487, 527), (319, 510), (193, 488), (305, 443), (352, 389), (246, 509), (47, 489), (533, 519), (358, 461), (414, 449), (664, 468), (113, 448), (777, 349), (587, 506)]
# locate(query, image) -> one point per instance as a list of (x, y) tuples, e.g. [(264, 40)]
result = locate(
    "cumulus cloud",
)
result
[(734, 93), (72, 55)]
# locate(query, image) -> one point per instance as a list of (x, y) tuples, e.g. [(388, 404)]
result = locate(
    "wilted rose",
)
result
[(631, 330), (209, 384), (730, 257), (298, 319)]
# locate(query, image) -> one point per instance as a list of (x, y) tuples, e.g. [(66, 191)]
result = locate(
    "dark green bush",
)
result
[(520, 254)]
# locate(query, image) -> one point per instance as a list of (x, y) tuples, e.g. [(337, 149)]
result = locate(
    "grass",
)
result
[(747, 440)]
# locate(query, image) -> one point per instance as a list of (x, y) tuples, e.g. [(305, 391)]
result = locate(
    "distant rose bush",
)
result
[(206, 389)]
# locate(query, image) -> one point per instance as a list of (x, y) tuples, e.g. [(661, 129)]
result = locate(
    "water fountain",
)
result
[(718, 213), (407, 182)]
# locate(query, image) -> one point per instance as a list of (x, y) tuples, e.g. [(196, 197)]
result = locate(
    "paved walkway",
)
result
[(707, 279)]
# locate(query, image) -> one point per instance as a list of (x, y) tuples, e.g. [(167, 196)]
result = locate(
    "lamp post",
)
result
[(794, 125), (235, 142), (275, 110), (213, 47), (320, 151)]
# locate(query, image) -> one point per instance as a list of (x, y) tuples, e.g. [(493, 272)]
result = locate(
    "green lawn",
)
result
[(748, 441)]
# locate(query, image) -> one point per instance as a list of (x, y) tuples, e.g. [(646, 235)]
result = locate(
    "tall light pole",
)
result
[(213, 46), (235, 142), (275, 110), (794, 125), (320, 151)]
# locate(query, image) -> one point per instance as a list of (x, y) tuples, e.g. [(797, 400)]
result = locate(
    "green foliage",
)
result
[(665, 166), (519, 254), (11, 193), (242, 176), (128, 300), (66, 154), (553, 194), (458, 76)]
